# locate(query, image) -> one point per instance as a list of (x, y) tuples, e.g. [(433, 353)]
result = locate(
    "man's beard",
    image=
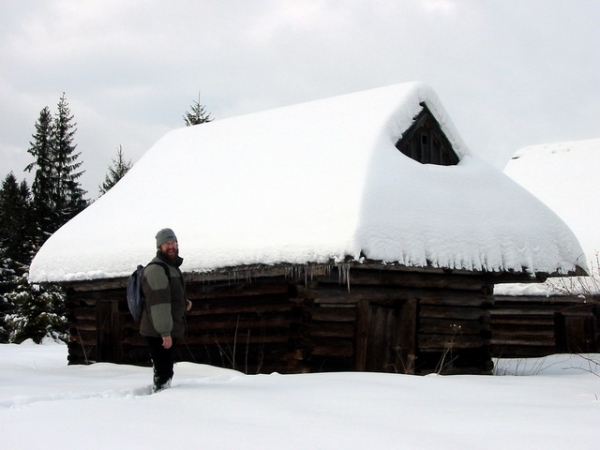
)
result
[(171, 253)]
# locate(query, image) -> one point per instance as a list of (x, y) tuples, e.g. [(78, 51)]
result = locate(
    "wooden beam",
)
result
[(328, 294), (450, 343)]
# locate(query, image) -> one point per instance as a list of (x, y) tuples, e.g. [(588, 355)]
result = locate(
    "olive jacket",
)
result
[(166, 303)]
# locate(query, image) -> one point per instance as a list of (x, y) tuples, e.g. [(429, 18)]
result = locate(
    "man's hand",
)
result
[(189, 305), (167, 342)]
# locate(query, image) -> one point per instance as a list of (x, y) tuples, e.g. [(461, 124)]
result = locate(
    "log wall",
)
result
[(328, 319), (535, 326)]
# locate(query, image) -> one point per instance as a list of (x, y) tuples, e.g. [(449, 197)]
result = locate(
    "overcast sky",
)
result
[(510, 73)]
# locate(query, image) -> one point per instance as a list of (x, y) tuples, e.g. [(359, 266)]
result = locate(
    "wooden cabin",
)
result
[(354, 316), (353, 233)]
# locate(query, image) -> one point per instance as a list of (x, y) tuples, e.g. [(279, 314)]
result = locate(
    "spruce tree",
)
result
[(16, 221), (42, 203), (16, 244), (6, 305), (7, 285), (39, 311), (115, 172), (67, 194), (34, 311), (197, 115)]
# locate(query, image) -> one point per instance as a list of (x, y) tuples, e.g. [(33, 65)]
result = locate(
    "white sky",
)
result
[(510, 73)]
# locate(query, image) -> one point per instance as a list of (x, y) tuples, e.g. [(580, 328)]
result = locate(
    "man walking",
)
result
[(163, 319)]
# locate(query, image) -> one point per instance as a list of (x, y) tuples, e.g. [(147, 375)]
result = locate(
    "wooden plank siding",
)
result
[(333, 318), (535, 326)]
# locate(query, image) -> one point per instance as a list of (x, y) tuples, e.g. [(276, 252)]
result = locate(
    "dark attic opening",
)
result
[(425, 141)]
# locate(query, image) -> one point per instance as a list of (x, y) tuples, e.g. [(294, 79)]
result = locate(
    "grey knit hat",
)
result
[(164, 235)]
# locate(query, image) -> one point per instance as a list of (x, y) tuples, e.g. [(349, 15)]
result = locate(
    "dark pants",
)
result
[(162, 360)]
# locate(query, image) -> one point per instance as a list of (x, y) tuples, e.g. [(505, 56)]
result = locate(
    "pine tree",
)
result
[(67, 194), (197, 115), (7, 276), (115, 172), (16, 234), (16, 243), (39, 311), (41, 149), (34, 311)]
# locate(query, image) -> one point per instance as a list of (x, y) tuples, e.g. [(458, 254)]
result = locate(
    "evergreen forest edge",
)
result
[(29, 215)]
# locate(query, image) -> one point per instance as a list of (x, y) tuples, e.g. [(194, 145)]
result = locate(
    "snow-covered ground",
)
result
[(552, 403)]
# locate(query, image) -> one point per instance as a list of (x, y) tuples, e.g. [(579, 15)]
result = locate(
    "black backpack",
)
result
[(135, 295)]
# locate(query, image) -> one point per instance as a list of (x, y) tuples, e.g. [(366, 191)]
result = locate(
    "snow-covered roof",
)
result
[(312, 183), (564, 176)]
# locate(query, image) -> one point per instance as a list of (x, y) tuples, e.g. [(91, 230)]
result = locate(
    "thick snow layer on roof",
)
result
[(311, 183), (565, 177)]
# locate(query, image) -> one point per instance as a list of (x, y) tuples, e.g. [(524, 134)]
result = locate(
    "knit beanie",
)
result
[(164, 235)]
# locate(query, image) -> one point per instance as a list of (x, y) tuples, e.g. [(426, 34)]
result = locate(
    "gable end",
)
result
[(425, 141)]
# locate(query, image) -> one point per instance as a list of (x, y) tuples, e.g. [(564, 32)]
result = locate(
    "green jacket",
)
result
[(166, 303)]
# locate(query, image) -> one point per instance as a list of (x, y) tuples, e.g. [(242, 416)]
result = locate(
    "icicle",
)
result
[(347, 275), (346, 268), (305, 277), (344, 274)]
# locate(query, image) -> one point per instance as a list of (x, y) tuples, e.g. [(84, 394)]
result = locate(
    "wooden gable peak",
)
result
[(425, 141)]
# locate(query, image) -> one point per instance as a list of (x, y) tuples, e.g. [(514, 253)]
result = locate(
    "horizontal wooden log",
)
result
[(203, 292), (324, 294), (201, 310), (305, 273), (240, 339), (255, 325), (106, 295), (238, 274), (332, 314), (84, 312), (525, 341), (406, 279), (452, 299), (520, 351), (521, 321), (534, 311), (454, 313), (275, 352), (87, 320), (336, 330), (85, 337), (135, 340), (130, 325), (84, 325), (443, 342), (448, 326), (334, 351), (520, 329)]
